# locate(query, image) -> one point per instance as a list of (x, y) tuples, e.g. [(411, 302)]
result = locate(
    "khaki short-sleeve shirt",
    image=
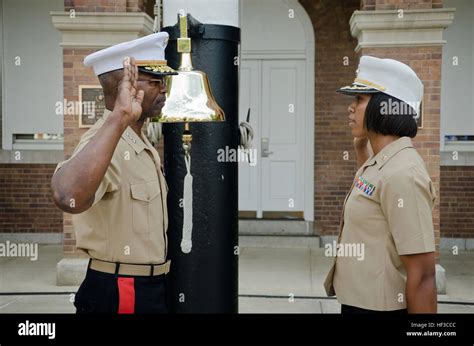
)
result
[(128, 220), (387, 213)]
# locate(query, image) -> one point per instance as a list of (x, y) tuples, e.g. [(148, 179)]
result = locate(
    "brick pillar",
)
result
[(335, 65), (75, 74), (426, 62), (416, 39)]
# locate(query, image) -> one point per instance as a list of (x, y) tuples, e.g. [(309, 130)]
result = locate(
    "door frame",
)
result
[(308, 55)]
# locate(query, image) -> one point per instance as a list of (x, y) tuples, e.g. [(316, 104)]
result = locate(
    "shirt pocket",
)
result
[(145, 205)]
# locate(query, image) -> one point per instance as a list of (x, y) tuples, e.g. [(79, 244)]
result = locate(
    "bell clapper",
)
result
[(187, 138)]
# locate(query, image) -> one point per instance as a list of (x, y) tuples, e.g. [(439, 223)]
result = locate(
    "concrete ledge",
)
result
[(31, 156), (451, 151), (279, 241), (327, 239), (440, 279), (37, 238), (276, 227), (460, 243), (71, 271)]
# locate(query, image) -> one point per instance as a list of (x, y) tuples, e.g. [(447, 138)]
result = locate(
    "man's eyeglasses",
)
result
[(156, 82)]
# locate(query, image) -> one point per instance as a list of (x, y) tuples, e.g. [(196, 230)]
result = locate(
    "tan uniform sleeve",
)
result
[(407, 200), (111, 181)]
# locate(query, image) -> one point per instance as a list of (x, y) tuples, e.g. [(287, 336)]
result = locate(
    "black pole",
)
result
[(206, 279)]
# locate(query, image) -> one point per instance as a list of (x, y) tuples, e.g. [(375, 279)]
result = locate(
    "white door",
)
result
[(278, 111), (249, 97)]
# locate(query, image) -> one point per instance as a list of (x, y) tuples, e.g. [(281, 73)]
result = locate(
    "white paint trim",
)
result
[(305, 20), (274, 54), (220, 12), (97, 30), (2, 75), (387, 29)]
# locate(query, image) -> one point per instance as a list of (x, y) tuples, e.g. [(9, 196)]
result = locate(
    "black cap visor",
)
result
[(357, 89)]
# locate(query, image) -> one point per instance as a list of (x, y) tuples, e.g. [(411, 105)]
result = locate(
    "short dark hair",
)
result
[(388, 115), (109, 82)]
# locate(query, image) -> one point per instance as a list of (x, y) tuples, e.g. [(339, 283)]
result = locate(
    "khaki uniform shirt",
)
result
[(387, 213), (128, 220)]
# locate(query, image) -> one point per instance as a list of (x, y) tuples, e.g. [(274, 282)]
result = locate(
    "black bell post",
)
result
[(204, 277)]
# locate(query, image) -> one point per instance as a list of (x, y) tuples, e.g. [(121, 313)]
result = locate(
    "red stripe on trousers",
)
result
[(126, 288)]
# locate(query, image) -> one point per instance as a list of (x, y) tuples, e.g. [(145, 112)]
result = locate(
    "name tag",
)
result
[(365, 186)]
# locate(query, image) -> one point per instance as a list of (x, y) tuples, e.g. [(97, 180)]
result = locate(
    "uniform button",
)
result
[(385, 157)]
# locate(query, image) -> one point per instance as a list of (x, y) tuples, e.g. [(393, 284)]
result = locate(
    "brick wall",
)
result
[(106, 5), (333, 175), (25, 199), (75, 74), (368, 5), (457, 201)]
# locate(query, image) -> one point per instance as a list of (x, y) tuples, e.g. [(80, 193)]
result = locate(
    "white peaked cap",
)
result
[(150, 48), (389, 76)]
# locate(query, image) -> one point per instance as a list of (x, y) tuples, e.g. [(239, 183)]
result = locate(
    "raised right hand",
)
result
[(129, 100)]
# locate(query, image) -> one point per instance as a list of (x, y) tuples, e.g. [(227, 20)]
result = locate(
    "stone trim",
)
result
[(31, 156), (98, 30), (462, 244), (38, 238), (385, 29), (464, 158)]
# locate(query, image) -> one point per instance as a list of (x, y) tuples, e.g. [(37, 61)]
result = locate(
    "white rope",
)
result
[(246, 135), (186, 242), (246, 138), (154, 132)]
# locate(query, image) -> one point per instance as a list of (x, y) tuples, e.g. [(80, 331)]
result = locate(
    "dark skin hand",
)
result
[(75, 184)]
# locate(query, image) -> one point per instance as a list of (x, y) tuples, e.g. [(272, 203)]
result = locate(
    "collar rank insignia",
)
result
[(365, 186)]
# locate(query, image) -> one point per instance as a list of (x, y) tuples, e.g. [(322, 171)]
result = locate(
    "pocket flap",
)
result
[(145, 191)]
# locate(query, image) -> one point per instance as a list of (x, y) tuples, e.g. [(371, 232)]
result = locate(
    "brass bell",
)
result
[(189, 96), (188, 99)]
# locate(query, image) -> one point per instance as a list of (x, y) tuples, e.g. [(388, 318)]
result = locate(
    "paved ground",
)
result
[(271, 280)]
